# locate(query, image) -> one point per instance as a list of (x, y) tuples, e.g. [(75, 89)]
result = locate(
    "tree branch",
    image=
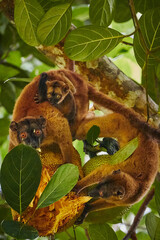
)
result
[(139, 215), (104, 75)]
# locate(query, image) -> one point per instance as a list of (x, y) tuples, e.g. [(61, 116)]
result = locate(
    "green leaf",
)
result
[(120, 156), (91, 42), (122, 10), (19, 230), (101, 231), (27, 15), (149, 48), (4, 126), (7, 72), (143, 5), (125, 152), (153, 226), (93, 134), (61, 183), (20, 176), (101, 12), (8, 96), (106, 215), (55, 24), (157, 195)]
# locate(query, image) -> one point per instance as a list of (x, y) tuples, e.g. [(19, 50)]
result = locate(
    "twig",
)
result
[(133, 236), (87, 234), (127, 43), (139, 214), (136, 24), (74, 232)]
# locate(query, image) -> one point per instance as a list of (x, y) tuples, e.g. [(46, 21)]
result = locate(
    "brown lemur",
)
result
[(125, 183), (57, 127), (80, 98), (59, 94)]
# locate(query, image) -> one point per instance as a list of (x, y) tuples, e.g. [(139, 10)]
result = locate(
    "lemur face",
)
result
[(56, 91), (30, 131)]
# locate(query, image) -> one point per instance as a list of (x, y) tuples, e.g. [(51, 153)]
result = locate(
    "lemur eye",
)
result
[(23, 135), (37, 132)]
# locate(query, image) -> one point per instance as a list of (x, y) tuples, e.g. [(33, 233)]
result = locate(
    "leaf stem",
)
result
[(136, 24)]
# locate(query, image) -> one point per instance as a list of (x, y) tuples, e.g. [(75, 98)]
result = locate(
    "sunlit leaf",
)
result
[(93, 134), (55, 24), (120, 156), (62, 182), (101, 12), (20, 176), (147, 47), (80, 13), (153, 226), (91, 42), (101, 231), (27, 15), (19, 230)]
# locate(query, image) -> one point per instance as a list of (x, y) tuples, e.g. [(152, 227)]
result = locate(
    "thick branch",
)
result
[(139, 215), (102, 73)]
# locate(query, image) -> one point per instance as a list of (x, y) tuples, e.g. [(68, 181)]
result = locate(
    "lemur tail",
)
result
[(135, 119)]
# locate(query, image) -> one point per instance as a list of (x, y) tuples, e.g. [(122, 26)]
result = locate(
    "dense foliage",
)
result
[(102, 27)]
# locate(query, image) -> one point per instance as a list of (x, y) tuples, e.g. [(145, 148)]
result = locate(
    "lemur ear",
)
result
[(42, 121), (13, 126), (44, 76)]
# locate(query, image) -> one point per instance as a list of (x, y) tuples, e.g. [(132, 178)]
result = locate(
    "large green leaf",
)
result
[(20, 176), (27, 15), (55, 24), (101, 12), (61, 183), (93, 134), (19, 230), (147, 48), (101, 231), (91, 42), (153, 226)]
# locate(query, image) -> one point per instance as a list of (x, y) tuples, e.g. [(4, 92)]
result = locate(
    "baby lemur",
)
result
[(59, 94)]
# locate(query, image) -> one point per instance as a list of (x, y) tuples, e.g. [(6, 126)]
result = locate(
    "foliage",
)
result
[(103, 27)]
